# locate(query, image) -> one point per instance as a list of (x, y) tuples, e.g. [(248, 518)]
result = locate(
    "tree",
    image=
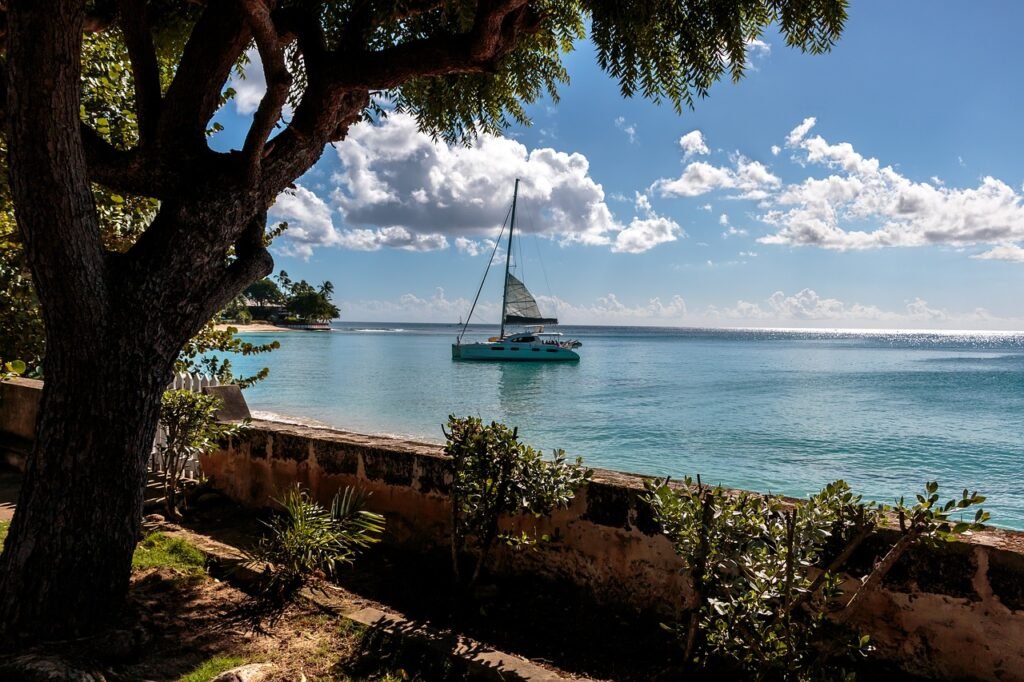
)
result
[(115, 316), (264, 292), (312, 306)]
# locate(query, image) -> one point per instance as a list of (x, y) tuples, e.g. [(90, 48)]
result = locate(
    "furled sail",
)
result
[(520, 306)]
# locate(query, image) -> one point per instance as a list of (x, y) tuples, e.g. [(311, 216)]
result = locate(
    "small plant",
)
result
[(765, 575), (926, 521), (9, 370), (211, 668), (494, 474), (306, 541), (192, 430), (160, 551)]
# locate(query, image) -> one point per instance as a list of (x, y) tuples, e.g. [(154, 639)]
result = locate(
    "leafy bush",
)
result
[(192, 430), (493, 474), (765, 576), (307, 541)]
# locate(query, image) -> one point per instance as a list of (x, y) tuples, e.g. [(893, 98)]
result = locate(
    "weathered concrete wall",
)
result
[(956, 612), (19, 411)]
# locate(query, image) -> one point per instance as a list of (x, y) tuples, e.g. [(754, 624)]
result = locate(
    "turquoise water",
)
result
[(780, 411)]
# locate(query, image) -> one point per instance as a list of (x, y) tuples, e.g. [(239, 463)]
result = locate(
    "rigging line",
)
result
[(544, 270), (484, 279)]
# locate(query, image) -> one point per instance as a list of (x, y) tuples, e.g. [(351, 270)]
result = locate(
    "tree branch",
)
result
[(49, 177), (496, 32), (278, 83), (145, 71), (217, 41)]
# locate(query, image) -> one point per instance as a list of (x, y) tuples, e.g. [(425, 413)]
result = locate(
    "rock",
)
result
[(254, 672), (209, 499)]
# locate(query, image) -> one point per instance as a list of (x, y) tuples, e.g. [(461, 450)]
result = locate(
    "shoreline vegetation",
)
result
[(254, 327)]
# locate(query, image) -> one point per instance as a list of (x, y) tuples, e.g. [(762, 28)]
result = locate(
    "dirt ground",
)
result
[(181, 627)]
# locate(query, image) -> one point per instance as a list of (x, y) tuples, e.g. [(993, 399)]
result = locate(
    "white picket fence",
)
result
[(194, 383)]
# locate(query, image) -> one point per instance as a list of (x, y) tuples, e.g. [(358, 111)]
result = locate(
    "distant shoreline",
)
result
[(260, 327)]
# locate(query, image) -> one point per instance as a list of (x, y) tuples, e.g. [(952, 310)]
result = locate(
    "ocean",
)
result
[(782, 411)]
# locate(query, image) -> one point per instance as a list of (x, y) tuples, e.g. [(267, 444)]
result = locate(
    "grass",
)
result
[(155, 551), (160, 551), (209, 669)]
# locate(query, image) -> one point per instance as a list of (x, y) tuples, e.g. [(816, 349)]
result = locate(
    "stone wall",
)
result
[(956, 612), (19, 411)]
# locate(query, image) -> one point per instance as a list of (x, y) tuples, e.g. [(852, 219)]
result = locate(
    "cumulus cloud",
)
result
[(808, 308), (1007, 252), (628, 128), (309, 222), (249, 91), (805, 308), (796, 135), (693, 143), (859, 191), (752, 178), (646, 232), (395, 175), (473, 247), (395, 237)]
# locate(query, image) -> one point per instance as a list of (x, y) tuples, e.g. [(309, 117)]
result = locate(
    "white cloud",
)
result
[(751, 177), (693, 143), (395, 175), (1007, 252), (395, 237), (309, 222), (862, 204), (776, 149), (396, 178), (644, 233), (808, 308), (758, 48), (797, 134), (805, 308), (629, 129), (249, 91), (472, 247)]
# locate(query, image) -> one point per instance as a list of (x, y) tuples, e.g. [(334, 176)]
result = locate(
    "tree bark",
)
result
[(67, 558)]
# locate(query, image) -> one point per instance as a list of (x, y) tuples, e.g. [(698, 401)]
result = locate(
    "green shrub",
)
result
[(306, 541), (494, 474), (192, 430), (765, 578)]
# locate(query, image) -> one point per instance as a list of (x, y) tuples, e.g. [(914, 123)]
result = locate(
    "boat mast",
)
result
[(508, 257)]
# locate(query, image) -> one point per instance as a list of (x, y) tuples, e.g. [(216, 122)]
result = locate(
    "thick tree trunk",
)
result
[(67, 559)]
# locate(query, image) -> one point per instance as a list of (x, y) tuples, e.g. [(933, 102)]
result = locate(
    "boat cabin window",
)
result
[(523, 339)]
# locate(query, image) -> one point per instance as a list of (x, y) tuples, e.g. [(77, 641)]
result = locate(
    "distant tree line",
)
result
[(290, 301)]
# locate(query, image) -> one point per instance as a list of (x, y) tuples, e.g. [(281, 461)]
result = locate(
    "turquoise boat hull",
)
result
[(504, 351)]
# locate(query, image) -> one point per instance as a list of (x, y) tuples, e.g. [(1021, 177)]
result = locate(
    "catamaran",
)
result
[(518, 307)]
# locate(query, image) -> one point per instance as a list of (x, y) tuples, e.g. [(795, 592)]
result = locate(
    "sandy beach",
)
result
[(255, 327)]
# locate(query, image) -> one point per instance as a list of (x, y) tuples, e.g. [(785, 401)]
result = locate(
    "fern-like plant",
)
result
[(306, 541)]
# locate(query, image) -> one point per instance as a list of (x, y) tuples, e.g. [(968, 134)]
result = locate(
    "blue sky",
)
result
[(877, 186)]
